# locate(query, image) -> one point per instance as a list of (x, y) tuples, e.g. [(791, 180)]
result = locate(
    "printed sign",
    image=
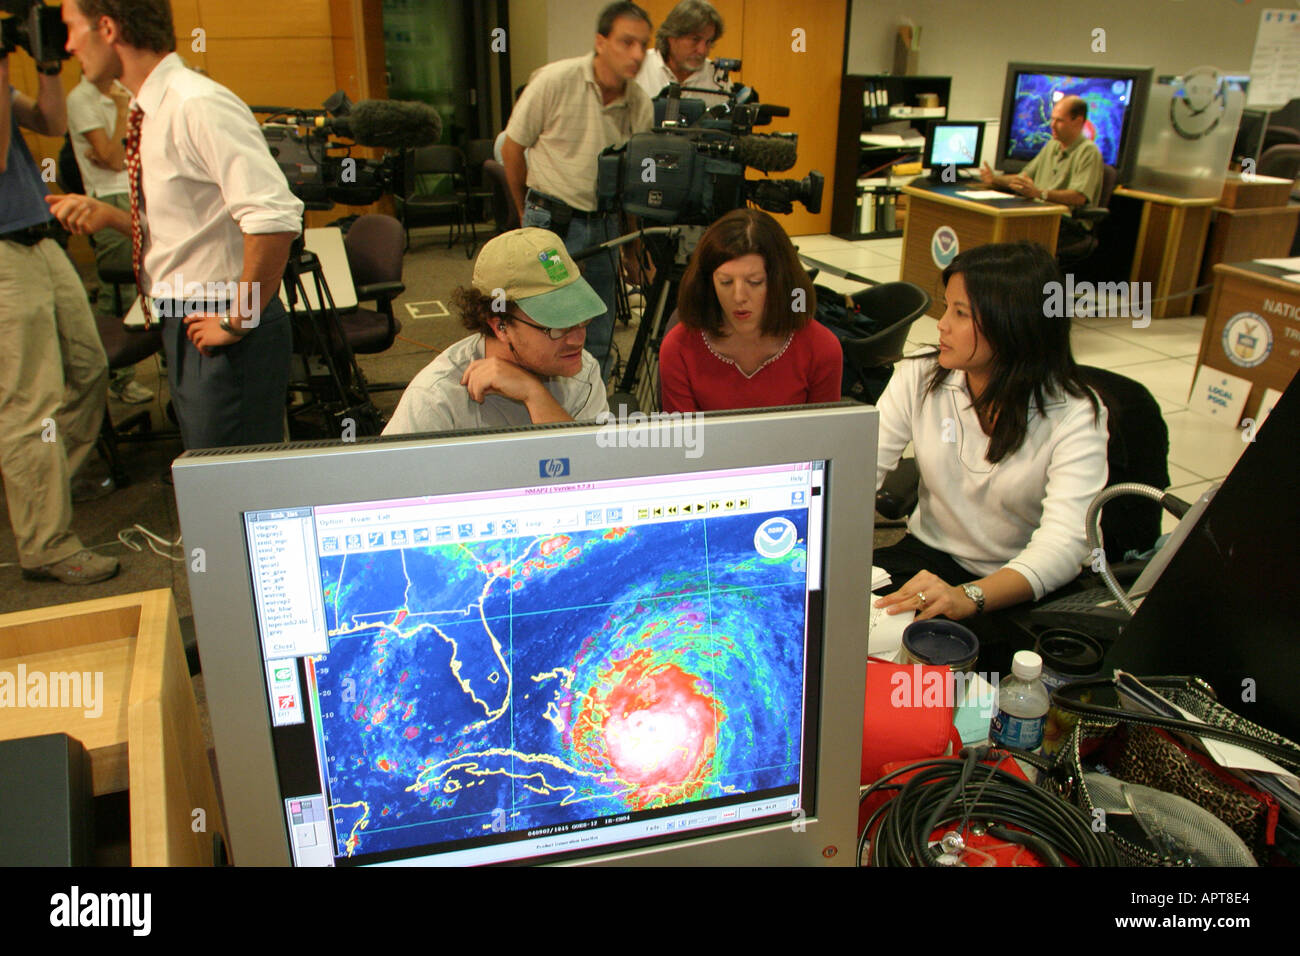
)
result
[(1219, 395)]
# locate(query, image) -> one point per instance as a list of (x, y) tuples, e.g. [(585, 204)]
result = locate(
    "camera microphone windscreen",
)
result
[(769, 154), (392, 124)]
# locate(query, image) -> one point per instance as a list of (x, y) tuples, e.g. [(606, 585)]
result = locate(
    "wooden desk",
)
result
[(1240, 235), (1272, 309), (1170, 240), (142, 731), (976, 222)]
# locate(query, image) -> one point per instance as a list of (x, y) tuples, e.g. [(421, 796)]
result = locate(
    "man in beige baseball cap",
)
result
[(528, 310)]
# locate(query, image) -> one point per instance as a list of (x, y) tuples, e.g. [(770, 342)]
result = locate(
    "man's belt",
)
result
[(29, 236), (561, 211)]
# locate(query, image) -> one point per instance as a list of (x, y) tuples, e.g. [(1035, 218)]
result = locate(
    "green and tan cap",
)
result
[(534, 270)]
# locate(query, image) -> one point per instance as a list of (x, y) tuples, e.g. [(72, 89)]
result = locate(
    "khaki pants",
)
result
[(53, 377)]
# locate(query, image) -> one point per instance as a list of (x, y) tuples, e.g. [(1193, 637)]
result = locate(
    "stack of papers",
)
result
[(879, 578)]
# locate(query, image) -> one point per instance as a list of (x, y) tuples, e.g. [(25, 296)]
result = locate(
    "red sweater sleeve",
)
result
[(675, 392)]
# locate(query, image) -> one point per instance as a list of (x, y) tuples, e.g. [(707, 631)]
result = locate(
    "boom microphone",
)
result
[(768, 154), (392, 124)]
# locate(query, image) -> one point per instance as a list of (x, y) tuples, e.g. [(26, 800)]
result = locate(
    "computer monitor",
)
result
[(953, 145), (1116, 98), (1250, 136), (1226, 607), (1234, 81), (581, 643)]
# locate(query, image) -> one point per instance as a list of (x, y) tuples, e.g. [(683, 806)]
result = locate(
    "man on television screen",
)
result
[(1067, 170), (528, 310)]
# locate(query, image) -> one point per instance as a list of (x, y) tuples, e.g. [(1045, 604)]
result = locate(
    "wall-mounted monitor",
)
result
[(621, 643), (1116, 98)]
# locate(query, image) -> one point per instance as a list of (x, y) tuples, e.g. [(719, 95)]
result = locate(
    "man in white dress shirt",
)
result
[(682, 45), (216, 224)]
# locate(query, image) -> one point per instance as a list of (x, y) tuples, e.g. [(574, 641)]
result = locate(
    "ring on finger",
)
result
[(921, 597)]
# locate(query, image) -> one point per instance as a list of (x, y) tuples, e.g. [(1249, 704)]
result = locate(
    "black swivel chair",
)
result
[(1074, 249), (374, 244), (1279, 136), (872, 329), (504, 211), (477, 153)]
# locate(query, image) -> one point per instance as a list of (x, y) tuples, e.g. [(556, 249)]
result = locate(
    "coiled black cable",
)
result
[(945, 792)]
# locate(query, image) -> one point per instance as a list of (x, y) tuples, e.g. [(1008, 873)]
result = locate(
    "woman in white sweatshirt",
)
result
[(1009, 442)]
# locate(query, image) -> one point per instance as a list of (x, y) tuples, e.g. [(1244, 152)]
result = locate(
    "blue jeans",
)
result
[(599, 271)]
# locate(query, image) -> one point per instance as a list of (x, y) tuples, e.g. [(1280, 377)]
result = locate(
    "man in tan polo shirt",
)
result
[(570, 111), (1067, 170)]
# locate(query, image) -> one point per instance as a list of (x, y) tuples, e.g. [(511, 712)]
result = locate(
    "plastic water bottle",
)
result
[(1023, 703)]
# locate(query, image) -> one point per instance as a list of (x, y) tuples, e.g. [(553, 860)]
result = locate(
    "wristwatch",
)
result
[(227, 327), (976, 594)]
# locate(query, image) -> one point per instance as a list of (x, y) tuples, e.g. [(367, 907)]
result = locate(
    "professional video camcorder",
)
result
[(691, 168), (321, 171), (34, 27)]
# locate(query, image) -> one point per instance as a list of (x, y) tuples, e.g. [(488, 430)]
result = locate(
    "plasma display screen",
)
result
[(1109, 100)]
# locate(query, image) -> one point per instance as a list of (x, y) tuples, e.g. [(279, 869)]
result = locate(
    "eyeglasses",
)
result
[(555, 334)]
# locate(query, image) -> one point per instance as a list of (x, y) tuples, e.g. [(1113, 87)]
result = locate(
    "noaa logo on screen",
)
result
[(553, 467), (775, 537), (1247, 339), (943, 246)]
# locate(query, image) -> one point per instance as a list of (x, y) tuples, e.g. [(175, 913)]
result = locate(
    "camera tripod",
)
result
[(325, 369), (670, 248)]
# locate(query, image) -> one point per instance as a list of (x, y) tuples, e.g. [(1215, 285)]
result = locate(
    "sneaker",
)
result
[(84, 567), (133, 393), (89, 489)]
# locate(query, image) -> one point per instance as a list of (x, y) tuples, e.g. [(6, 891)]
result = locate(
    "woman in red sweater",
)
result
[(746, 336)]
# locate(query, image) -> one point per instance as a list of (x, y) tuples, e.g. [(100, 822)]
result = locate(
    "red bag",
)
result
[(908, 715)]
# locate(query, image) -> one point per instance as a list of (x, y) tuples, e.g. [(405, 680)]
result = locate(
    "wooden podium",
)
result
[(142, 732), (976, 222)]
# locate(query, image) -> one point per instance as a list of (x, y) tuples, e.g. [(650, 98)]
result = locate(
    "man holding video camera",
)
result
[(680, 55), (213, 208), (570, 111), (53, 372)]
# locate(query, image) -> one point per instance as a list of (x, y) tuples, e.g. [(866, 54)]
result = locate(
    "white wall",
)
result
[(527, 41), (571, 26), (972, 40)]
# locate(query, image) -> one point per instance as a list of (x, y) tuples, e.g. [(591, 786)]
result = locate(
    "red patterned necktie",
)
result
[(134, 122)]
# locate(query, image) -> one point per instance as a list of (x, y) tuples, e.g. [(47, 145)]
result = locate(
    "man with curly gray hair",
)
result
[(682, 46)]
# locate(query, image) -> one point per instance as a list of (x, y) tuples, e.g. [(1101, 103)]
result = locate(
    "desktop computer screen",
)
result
[(535, 647), (953, 144), (1116, 98)]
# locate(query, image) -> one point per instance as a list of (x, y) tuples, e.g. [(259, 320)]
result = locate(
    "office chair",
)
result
[(1282, 161), (1137, 450), (872, 329), (124, 348), (374, 245), (477, 153), (1279, 136), (420, 208), (1075, 249), (504, 212)]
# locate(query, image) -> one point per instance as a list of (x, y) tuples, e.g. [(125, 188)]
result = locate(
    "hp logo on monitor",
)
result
[(553, 467)]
